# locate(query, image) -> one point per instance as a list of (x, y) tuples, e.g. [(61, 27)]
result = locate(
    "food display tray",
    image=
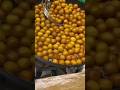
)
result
[(40, 60)]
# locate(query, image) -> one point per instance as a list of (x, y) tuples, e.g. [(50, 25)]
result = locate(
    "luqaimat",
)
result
[(64, 44)]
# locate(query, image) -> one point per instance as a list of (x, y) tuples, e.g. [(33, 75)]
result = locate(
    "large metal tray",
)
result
[(40, 60), (54, 69), (61, 69)]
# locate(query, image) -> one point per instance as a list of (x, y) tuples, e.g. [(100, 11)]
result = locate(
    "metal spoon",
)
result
[(46, 5)]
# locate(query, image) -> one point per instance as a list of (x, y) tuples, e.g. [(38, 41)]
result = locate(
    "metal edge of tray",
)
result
[(20, 83)]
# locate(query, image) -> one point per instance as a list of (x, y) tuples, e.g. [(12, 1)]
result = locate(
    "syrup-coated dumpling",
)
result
[(65, 43)]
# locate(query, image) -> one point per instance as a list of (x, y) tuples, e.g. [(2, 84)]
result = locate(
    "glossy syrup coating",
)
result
[(64, 44)]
